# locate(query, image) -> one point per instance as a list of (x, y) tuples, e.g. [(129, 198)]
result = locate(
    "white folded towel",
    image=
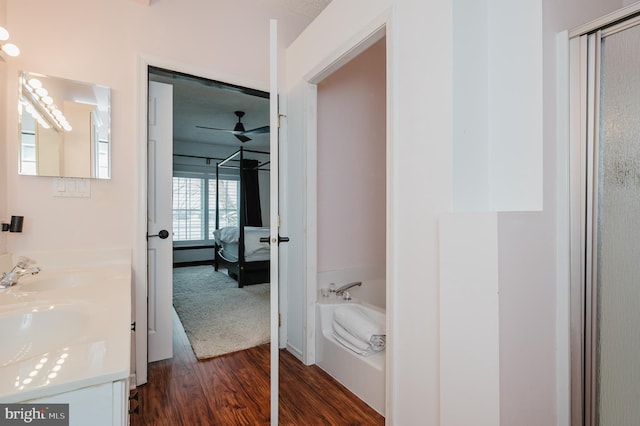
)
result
[(339, 331), (355, 349), (361, 326)]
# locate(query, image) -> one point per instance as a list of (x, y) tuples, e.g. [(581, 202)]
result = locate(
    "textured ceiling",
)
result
[(307, 8), (198, 102)]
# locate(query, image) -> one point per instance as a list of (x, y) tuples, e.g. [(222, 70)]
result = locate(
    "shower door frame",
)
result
[(584, 87)]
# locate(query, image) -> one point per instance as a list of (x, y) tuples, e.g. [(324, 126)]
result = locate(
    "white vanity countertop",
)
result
[(65, 329)]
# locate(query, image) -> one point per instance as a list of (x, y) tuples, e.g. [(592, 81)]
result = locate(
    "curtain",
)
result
[(250, 191)]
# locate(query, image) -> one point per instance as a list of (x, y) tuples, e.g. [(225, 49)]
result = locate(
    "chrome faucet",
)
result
[(23, 267), (346, 287)]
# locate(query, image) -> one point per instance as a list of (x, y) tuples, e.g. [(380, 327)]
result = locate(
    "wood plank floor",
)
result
[(234, 390)]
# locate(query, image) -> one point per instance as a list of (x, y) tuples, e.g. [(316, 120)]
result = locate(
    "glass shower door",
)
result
[(612, 395)]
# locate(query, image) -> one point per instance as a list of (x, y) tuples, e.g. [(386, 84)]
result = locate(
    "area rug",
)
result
[(217, 316)]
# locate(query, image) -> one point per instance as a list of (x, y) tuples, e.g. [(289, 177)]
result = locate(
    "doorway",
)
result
[(315, 172), (212, 121), (351, 175), (605, 292), (351, 211), (250, 117)]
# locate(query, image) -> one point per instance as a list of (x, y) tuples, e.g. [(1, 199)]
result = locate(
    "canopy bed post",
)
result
[(239, 247), (243, 221), (216, 260)]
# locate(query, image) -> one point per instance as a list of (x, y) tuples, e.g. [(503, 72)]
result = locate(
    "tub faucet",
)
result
[(346, 287), (23, 267)]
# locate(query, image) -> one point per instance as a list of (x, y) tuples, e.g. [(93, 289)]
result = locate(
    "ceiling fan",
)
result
[(239, 130)]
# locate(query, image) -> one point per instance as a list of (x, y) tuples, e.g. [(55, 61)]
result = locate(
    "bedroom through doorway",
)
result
[(212, 121)]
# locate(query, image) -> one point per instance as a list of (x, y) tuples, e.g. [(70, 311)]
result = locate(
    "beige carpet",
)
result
[(217, 316)]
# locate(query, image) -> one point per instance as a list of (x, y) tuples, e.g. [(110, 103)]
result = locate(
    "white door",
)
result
[(159, 221), (274, 214)]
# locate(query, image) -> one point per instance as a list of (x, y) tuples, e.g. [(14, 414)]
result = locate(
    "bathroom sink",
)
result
[(37, 330), (56, 280)]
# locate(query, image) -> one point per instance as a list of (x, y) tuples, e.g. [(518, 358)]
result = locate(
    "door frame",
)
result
[(575, 131), (382, 26), (140, 227)]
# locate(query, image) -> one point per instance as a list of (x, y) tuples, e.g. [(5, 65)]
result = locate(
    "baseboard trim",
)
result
[(295, 352)]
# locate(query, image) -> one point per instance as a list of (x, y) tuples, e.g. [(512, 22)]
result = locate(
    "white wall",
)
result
[(99, 41), (511, 151), (470, 112), (497, 105), (530, 319), (4, 215), (469, 320), (421, 165), (104, 42), (351, 174)]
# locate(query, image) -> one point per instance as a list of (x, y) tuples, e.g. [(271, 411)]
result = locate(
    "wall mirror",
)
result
[(64, 127)]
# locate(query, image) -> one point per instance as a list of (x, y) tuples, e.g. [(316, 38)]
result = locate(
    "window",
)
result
[(28, 154), (228, 203), (102, 159), (194, 207), (188, 209)]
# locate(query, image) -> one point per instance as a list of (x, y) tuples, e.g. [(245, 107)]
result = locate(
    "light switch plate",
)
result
[(72, 187)]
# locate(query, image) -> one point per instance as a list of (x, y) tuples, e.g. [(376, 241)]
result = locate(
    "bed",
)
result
[(254, 267), (238, 247)]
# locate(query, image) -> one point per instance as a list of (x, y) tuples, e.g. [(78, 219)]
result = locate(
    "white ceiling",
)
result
[(307, 8), (201, 103), (198, 102)]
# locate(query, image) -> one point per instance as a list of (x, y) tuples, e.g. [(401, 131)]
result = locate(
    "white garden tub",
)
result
[(362, 375)]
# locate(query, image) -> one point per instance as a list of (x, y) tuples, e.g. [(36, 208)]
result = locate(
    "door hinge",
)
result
[(279, 117), (279, 320)]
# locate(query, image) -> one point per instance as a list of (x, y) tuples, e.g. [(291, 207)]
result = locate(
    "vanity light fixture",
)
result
[(8, 48), (15, 225), (39, 104)]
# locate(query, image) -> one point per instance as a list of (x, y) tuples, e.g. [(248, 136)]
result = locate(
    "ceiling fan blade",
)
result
[(214, 128), (257, 130), (238, 130), (235, 132)]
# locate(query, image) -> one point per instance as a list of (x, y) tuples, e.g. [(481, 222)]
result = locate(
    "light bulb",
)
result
[(47, 100), (42, 92), (4, 34), (11, 49), (35, 83)]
